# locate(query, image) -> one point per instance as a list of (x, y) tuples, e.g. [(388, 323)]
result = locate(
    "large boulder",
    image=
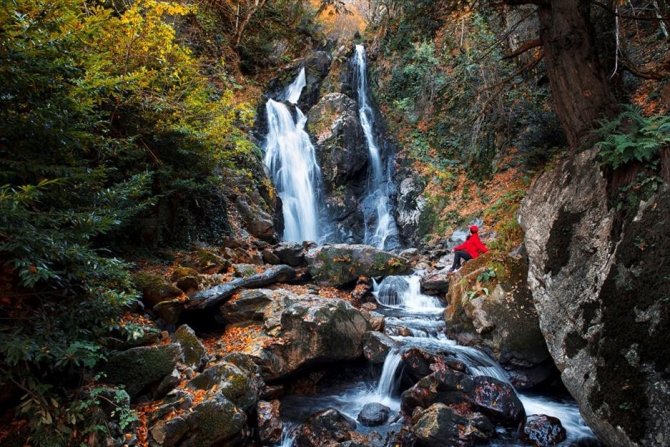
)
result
[(600, 275), (140, 367), (328, 428), (311, 330), (491, 307), (342, 264), (194, 352), (235, 383), (376, 346), (439, 426), (374, 414)]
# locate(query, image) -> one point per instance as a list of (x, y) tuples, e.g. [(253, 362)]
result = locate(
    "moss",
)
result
[(560, 238), (155, 288), (138, 367)]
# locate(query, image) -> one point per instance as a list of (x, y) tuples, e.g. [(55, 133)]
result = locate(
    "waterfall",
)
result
[(377, 210), (387, 380), (291, 160)]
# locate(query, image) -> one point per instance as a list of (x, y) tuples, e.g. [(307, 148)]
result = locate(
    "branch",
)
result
[(657, 18), (529, 66), (643, 74), (528, 45)]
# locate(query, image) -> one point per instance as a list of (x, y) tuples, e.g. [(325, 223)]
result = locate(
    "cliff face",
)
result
[(600, 278)]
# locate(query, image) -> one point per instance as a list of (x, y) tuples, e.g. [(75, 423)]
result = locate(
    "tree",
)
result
[(581, 92)]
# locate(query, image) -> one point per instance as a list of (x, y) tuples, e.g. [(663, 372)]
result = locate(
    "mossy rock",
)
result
[(139, 367), (182, 272), (194, 352), (155, 288), (216, 421), (236, 384)]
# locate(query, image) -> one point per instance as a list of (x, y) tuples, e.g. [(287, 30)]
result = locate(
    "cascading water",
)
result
[(291, 160), (380, 226)]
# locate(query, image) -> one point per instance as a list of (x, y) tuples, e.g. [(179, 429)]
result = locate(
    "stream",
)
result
[(419, 317)]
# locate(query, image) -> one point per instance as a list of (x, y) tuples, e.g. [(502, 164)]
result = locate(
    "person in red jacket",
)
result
[(470, 249)]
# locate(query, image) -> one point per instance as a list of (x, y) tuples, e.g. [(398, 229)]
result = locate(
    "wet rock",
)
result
[(169, 432), (342, 264), (323, 429), (168, 383), (269, 422), (411, 206), (155, 288), (497, 400), (269, 257), (445, 386), (418, 363), (236, 384), (600, 278), (169, 311), (391, 290), (248, 305), (194, 352), (436, 282), (542, 431), (374, 414), (376, 347), (139, 367), (376, 321), (440, 426)]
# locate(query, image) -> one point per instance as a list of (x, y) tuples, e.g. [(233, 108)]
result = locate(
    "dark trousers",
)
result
[(464, 255)]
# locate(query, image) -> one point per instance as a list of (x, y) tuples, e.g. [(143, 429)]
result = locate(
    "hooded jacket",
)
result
[(472, 246)]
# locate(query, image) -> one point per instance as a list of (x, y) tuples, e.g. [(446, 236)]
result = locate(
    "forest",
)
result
[(233, 222)]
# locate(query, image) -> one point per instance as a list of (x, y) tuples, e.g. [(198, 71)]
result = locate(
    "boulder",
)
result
[(497, 400), (236, 384), (542, 431), (140, 367), (374, 414), (215, 421), (435, 282), (327, 428), (412, 208), (168, 433), (491, 308), (291, 253), (194, 352), (341, 264), (257, 222), (247, 305), (155, 288), (309, 330), (376, 346), (440, 426), (600, 274)]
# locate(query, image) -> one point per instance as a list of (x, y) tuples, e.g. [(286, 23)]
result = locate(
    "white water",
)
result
[(383, 224), (291, 160)]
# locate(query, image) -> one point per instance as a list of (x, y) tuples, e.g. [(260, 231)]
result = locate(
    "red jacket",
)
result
[(473, 246)]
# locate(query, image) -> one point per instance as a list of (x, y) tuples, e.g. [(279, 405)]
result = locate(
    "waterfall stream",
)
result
[(407, 310), (380, 226), (290, 157)]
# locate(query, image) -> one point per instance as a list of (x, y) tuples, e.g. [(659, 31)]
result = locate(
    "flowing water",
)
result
[(380, 226), (291, 160), (419, 319)]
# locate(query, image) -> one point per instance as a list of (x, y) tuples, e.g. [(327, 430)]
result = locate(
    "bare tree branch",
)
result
[(527, 46)]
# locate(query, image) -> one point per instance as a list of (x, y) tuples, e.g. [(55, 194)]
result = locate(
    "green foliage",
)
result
[(486, 275), (631, 136)]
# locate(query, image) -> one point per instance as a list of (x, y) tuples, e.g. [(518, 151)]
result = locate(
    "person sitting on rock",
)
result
[(470, 249)]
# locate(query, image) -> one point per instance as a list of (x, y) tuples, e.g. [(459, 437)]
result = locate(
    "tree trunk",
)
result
[(579, 85)]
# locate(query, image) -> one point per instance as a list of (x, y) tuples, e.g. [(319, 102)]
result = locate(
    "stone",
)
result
[(244, 270), (270, 426), (169, 311), (247, 305), (411, 207), (236, 384), (599, 274), (542, 431), (188, 284), (436, 282), (376, 347), (168, 383), (155, 288), (391, 290), (325, 428), (440, 426), (291, 253), (311, 331), (168, 433), (341, 264), (497, 400), (194, 352), (269, 257), (445, 386), (140, 367), (215, 421), (504, 321), (257, 222), (374, 414)]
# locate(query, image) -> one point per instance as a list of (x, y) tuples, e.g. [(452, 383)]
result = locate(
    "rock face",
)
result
[(411, 204), (491, 307), (600, 280), (342, 264)]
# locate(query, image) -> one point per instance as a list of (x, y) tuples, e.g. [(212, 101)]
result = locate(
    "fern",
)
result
[(632, 136)]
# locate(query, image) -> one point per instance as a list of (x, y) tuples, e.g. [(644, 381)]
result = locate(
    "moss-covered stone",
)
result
[(194, 352), (155, 288), (214, 422), (137, 368)]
